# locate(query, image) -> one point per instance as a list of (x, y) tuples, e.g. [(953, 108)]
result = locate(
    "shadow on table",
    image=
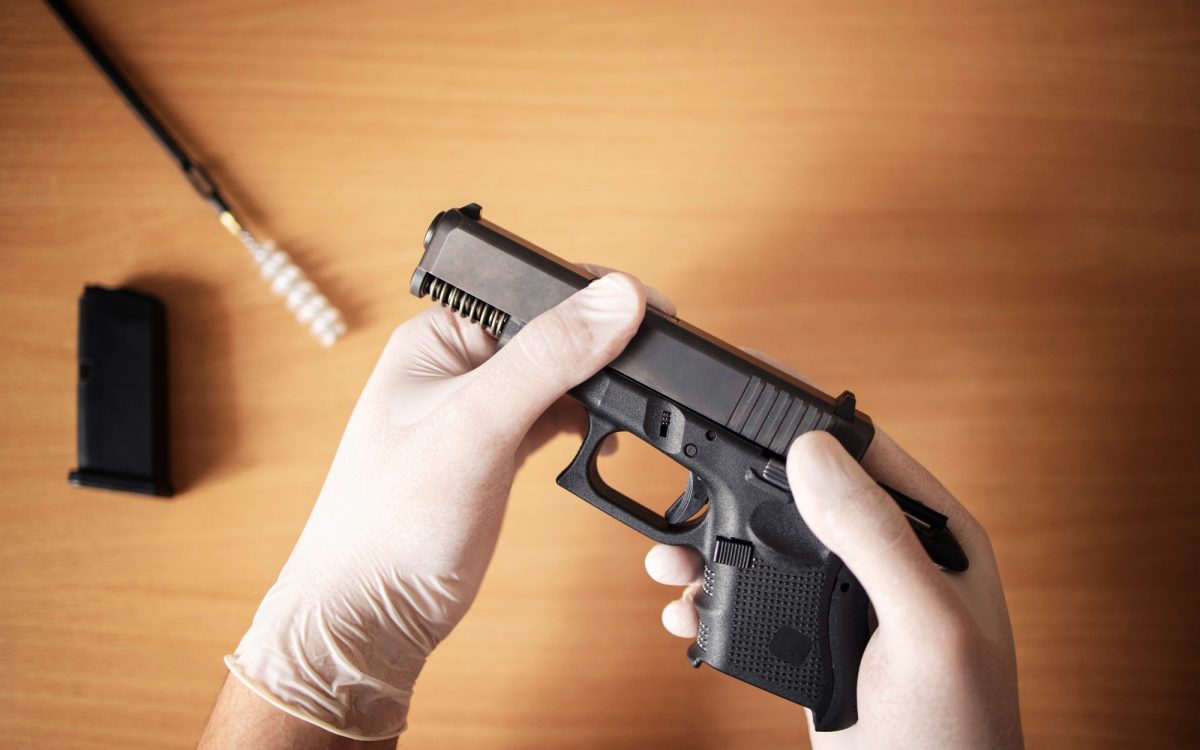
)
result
[(200, 382)]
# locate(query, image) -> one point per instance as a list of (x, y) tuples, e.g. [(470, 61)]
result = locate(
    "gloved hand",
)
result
[(940, 671), (399, 540)]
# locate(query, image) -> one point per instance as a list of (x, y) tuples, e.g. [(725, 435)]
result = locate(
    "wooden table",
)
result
[(981, 217)]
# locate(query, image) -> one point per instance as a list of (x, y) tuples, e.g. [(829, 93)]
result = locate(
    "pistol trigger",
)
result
[(689, 503)]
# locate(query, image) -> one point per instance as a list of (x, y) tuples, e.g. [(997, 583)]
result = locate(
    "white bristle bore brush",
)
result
[(303, 298)]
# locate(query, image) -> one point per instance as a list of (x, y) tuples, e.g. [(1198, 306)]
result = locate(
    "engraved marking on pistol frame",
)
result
[(468, 306)]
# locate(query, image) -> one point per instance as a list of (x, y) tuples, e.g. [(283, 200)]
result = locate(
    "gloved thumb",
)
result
[(556, 351), (863, 526)]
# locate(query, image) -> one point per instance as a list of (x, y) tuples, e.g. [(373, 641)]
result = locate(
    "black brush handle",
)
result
[(194, 173)]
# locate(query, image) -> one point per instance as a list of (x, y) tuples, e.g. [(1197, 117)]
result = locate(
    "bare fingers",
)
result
[(677, 566)]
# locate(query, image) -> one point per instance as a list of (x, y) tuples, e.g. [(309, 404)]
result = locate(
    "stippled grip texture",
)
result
[(765, 602), (796, 632)]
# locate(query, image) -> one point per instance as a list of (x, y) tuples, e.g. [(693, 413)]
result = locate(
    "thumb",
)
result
[(857, 520), (556, 351)]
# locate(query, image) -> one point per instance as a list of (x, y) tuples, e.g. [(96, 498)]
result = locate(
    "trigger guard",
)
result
[(582, 478)]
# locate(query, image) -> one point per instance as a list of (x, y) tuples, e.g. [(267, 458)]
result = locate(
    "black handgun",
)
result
[(778, 609)]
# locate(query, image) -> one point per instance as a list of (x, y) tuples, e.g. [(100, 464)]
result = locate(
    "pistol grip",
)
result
[(798, 633), (778, 610)]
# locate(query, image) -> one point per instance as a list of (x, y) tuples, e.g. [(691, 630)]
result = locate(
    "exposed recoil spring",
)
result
[(466, 305)]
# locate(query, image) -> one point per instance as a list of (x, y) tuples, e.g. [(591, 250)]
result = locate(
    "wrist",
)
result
[(349, 669)]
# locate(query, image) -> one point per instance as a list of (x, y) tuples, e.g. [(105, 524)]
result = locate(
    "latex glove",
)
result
[(397, 544), (940, 671)]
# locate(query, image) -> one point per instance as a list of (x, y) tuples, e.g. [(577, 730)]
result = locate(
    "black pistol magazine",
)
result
[(122, 394)]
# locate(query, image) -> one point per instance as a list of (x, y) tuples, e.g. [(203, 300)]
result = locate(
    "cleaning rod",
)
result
[(303, 298)]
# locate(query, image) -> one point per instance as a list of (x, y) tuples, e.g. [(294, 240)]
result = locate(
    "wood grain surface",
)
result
[(982, 217)]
